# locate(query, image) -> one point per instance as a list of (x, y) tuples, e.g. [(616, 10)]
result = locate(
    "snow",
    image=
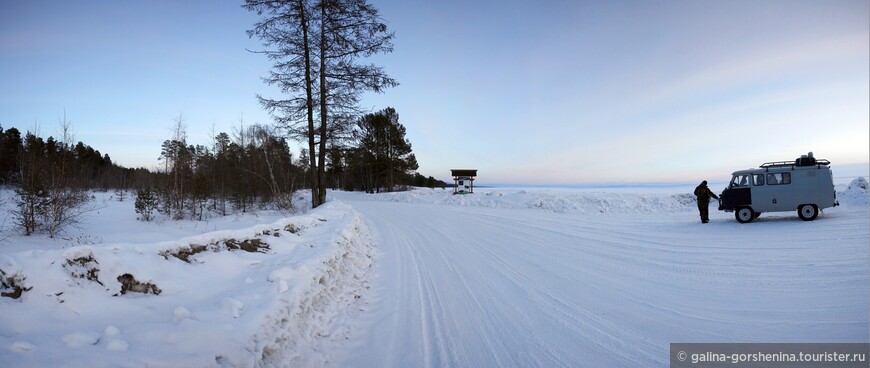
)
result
[(280, 306), (578, 278), (502, 277)]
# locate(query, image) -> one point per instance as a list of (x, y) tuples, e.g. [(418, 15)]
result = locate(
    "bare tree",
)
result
[(286, 28), (177, 160), (349, 30), (49, 196), (242, 187), (316, 45), (264, 138), (65, 197), (30, 193), (30, 204), (179, 137), (3, 234)]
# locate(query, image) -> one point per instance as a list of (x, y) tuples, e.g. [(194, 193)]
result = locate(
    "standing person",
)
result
[(703, 193)]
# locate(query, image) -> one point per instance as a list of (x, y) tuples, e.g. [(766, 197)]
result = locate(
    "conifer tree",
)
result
[(386, 150), (146, 203)]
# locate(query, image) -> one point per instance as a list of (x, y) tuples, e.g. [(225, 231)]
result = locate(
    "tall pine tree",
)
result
[(385, 149)]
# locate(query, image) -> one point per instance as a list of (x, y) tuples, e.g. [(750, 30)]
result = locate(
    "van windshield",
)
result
[(740, 180)]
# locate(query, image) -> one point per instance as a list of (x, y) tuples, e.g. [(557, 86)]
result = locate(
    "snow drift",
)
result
[(267, 295), (855, 194), (585, 202)]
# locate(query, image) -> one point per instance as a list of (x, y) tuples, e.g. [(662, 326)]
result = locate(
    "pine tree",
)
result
[(146, 203), (385, 148)]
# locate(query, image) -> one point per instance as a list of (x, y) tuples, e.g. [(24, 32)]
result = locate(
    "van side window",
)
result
[(758, 179), (778, 178)]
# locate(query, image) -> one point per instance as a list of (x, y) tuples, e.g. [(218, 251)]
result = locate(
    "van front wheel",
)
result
[(808, 212), (744, 215)]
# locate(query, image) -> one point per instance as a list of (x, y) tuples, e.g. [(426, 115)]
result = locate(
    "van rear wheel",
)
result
[(808, 212), (744, 215)]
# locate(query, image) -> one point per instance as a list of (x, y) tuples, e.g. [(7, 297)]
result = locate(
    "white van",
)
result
[(805, 186)]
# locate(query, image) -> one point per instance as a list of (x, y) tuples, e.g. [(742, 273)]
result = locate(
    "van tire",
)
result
[(744, 215), (808, 212)]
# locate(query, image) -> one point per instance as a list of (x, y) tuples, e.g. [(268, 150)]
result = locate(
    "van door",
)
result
[(762, 196), (737, 194), (778, 192)]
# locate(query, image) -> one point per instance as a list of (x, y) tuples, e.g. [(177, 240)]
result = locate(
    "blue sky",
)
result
[(529, 92)]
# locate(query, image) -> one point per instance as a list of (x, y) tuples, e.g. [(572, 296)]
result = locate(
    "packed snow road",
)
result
[(461, 286)]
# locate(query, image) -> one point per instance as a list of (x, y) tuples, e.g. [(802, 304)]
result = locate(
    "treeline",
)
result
[(378, 159), (254, 168), (51, 177), (32, 158), (250, 169)]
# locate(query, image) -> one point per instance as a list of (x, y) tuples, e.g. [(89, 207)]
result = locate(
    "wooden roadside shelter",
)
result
[(463, 180)]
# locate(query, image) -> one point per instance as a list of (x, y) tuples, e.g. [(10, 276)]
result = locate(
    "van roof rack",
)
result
[(819, 162)]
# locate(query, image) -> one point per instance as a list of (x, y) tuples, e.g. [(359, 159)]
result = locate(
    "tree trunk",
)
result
[(321, 154), (309, 94)]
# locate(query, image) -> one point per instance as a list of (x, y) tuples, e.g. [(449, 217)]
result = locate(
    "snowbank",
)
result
[(855, 194), (585, 203), (554, 200), (267, 295)]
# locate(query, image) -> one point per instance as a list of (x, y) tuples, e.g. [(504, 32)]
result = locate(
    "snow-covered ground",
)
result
[(268, 290), (502, 277), (578, 278)]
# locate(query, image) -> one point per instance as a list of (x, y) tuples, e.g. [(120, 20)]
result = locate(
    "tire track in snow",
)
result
[(438, 351), (596, 331), (487, 299), (496, 287)]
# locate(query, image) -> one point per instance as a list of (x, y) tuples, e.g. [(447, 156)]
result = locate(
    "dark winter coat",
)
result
[(704, 193)]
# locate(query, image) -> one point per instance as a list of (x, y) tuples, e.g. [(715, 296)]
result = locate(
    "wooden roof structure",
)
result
[(463, 173), (463, 180)]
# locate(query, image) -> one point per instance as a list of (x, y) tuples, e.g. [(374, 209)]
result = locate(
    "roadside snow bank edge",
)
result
[(273, 295)]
